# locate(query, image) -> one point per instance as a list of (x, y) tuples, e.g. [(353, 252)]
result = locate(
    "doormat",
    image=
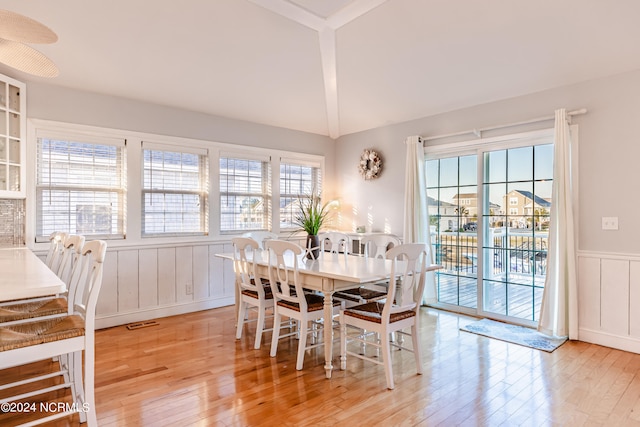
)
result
[(514, 334)]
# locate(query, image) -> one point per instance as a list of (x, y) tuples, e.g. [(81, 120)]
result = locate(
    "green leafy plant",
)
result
[(312, 214)]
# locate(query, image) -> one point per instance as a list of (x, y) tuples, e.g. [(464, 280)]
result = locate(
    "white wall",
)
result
[(608, 165), (609, 173), (154, 277)]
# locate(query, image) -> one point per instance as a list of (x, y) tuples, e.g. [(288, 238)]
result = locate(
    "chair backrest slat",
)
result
[(377, 245), (408, 272), (335, 241), (86, 279), (284, 280), (72, 251), (56, 246), (244, 266), (261, 236)]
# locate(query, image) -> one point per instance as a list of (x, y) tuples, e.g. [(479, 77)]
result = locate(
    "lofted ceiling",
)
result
[(332, 67)]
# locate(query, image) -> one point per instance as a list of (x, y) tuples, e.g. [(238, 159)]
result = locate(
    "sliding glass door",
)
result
[(453, 214), (489, 215)]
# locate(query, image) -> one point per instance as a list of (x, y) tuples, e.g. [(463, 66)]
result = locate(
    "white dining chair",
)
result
[(260, 236), (253, 291), (377, 245), (66, 337), (43, 308), (400, 310), (291, 300), (335, 242), (56, 247)]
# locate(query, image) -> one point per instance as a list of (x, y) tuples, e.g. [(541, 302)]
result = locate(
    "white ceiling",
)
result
[(332, 67)]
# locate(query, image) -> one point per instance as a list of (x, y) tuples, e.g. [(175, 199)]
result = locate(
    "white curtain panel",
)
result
[(416, 215), (559, 311)]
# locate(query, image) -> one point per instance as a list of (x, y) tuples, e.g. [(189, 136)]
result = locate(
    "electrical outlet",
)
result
[(609, 222), (188, 288)]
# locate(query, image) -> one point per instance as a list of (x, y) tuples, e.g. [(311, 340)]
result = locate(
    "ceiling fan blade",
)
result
[(19, 28), (27, 59)]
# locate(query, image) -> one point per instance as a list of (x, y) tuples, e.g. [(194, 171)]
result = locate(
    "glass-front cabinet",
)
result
[(12, 137)]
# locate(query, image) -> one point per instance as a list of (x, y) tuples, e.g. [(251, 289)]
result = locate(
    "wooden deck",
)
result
[(519, 294)]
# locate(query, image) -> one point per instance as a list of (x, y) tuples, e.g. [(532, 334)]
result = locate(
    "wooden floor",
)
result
[(190, 370)]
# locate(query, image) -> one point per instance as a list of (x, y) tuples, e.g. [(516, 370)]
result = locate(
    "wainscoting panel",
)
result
[(148, 278), (128, 280), (147, 283), (609, 300), (589, 292), (108, 300)]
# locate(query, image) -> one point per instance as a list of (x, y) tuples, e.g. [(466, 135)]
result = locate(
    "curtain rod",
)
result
[(478, 132)]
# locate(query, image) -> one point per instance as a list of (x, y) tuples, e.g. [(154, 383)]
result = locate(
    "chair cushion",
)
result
[(372, 312), (315, 302), (254, 294), (359, 294), (34, 333), (29, 310)]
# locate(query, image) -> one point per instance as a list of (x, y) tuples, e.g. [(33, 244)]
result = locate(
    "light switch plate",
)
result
[(609, 222)]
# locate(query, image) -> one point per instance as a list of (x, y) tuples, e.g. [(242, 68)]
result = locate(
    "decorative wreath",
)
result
[(370, 164)]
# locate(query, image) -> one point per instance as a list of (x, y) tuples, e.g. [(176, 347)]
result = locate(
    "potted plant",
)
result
[(310, 218)]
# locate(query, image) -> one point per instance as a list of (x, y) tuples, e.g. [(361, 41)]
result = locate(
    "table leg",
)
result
[(328, 332)]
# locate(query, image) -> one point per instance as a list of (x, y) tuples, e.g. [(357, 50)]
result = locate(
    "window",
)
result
[(296, 180), (80, 186), (513, 201), (513, 211), (174, 190), (244, 194)]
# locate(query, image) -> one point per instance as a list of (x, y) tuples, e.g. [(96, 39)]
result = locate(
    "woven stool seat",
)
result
[(28, 334), (29, 310)]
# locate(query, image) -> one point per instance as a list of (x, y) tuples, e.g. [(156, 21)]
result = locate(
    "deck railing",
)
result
[(508, 251)]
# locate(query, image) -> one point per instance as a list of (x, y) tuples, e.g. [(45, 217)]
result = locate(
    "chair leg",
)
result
[(302, 344), (277, 318), (343, 343), (74, 362), (416, 348), (242, 311), (259, 327), (89, 381), (386, 357)]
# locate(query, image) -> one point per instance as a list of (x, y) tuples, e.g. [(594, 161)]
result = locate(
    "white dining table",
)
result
[(24, 275), (330, 273)]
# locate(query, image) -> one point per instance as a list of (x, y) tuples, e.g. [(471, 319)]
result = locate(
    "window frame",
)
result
[(266, 190), (71, 136), (133, 198), (317, 182), (202, 192)]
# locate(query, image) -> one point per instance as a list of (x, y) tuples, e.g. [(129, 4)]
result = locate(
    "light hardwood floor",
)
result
[(190, 370)]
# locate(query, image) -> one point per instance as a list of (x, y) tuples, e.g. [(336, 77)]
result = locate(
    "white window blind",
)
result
[(174, 191), (296, 180), (80, 187), (244, 194)]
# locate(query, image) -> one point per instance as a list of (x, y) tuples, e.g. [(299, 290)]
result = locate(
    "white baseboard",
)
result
[(609, 340), (118, 319)]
